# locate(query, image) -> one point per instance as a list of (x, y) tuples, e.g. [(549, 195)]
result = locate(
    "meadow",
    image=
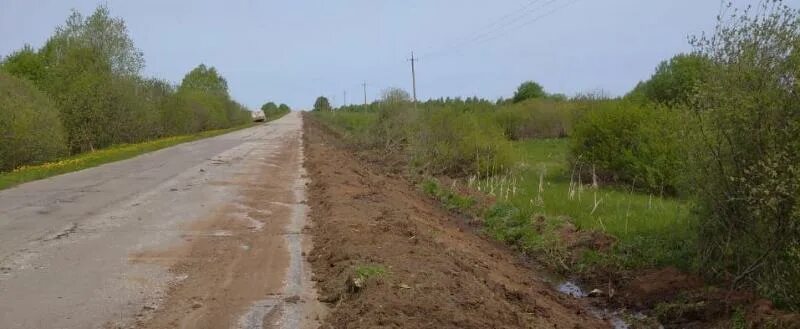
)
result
[(651, 230)]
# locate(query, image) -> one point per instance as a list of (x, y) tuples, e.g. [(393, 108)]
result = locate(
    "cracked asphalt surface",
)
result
[(67, 242)]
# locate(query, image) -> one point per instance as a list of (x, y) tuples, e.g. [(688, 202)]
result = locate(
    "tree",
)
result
[(674, 81), (90, 70), (107, 35), (529, 90), (322, 104), (284, 108), (395, 95), (269, 107), (25, 63), (205, 79)]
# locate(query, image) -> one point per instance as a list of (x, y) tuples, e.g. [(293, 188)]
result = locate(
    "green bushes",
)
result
[(439, 138), (452, 142), (747, 152), (537, 118), (30, 131), (394, 123), (89, 72), (623, 142), (272, 111)]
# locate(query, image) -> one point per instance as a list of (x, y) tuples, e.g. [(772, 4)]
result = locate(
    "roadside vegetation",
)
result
[(273, 111), (83, 91), (28, 173), (696, 168)]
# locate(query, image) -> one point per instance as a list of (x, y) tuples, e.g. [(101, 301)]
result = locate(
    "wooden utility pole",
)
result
[(345, 97), (414, 78), (365, 92)]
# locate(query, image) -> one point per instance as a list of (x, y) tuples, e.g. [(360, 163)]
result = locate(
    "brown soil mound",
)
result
[(386, 257), (656, 286)]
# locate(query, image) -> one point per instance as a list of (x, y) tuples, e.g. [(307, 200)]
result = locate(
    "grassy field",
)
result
[(651, 230), (92, 159)]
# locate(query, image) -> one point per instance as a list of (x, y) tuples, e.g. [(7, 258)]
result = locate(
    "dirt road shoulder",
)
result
[(385, 256)]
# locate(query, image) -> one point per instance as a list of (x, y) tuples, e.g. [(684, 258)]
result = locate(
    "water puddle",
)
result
[(258, 312), (571, 289)]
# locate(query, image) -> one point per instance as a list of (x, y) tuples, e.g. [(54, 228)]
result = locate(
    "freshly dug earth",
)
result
[(386, 257), (681, 300)]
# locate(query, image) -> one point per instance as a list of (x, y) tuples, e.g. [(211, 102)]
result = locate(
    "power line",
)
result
[(503, 29), (505, 21), (529, 22), (521, 11)]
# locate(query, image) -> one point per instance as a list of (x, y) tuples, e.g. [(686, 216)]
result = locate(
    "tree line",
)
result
[(84, 90)]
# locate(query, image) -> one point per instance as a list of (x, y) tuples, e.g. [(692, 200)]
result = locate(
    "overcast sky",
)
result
[(293, 51)]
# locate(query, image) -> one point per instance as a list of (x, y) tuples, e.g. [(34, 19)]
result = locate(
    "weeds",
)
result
[(365, 272), (650, 230), (450, 199)]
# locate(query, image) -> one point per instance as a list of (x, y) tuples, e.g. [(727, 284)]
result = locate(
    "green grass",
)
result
[(92, 159), (369, 271), (651, 230), (451, 200), (353, 125)]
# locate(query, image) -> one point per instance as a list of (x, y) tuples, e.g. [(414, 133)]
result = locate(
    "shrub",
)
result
[(538, 118), (393, 125), (30, 130), (453, 142), (622, 142), (748, 151)]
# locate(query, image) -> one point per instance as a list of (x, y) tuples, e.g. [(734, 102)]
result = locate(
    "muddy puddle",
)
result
[(617, 318)]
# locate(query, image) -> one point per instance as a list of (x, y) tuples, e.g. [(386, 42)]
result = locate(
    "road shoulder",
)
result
[(385, 256)]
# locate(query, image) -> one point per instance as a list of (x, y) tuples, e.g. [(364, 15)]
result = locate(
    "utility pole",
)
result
[(365, 92), (345, 97), (414, 78)]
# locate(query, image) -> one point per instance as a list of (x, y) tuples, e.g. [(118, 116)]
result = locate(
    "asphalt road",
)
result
[(66, 243)]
